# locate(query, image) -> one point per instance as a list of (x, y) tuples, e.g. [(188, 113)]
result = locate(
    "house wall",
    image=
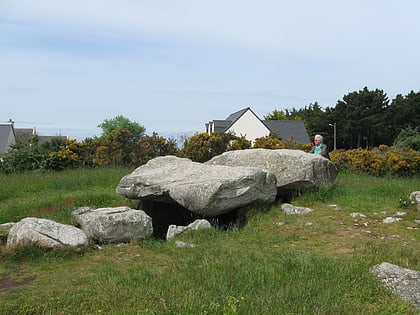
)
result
[(250, 126)]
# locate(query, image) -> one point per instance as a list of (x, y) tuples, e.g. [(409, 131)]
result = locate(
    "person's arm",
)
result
[(324, 151)]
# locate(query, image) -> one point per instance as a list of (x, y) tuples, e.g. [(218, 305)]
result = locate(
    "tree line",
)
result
[(363, 119)]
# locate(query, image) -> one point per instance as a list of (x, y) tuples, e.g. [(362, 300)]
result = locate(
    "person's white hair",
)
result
[(319, 137)]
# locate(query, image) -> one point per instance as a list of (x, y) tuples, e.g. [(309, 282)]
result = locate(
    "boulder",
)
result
[(114, 225), (295, 170), (207, 190), (415, 198), (291, 209), (174, 230), (45, 233), (402, 281)]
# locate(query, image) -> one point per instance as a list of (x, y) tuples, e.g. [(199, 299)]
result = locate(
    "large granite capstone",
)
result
[(295, 170), (207, 190)]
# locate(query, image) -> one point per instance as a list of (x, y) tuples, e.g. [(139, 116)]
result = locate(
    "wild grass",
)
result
[(318, 263)]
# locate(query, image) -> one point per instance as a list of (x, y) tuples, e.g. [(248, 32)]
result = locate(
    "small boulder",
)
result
[(114, 225), (402, 281), (291, 209), (174, 230), (45, 233), (415, 198)]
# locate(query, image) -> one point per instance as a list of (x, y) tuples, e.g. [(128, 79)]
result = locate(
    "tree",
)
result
[(360, 117), (276, 115), (403, 113), (408, 138), (119, 122)]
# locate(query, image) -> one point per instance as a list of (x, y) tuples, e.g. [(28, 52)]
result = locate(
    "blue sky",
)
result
[(171, 66)]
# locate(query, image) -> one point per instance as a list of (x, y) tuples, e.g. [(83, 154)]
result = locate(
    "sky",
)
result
[(173, 65)]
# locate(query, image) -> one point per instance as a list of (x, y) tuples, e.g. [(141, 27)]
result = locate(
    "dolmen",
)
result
[(177, 191)]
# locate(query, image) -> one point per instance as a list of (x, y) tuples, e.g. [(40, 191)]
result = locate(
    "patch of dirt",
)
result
[(6, 283)]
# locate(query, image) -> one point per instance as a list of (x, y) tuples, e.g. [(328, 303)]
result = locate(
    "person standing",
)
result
[(319, 147)]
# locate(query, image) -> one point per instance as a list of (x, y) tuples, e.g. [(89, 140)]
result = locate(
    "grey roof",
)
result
[(24, 134), (286, 129), (43, 139), (235, 116), (7, 137), (221, 125)]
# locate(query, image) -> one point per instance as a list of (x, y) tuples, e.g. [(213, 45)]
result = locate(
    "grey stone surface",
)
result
[(402, 281), (291, 209), (208, 190), (114, 225), (45, 233), (294, 169), (174, 230), (415, 198)]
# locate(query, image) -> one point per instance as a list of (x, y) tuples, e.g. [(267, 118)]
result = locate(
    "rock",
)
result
[(295, 170), (415, 198), (45, 233), (174, 230), (391, 220), (402, 281), (114, 225), (290, 209), (7, 225), (207, 190), (179, 244)]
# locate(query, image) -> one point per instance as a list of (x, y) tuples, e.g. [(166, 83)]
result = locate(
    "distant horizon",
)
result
[(82, 134)]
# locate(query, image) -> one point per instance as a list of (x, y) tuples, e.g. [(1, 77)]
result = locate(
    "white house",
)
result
[(246, 123)]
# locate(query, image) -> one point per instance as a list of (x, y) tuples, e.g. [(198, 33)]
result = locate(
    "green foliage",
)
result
[(240, 143), (33, 156), (408, 138), (271, 141), (116, 148), (149, 147), (202, 147), (381, 161), (276, 115), (360, 118), (120, 122)]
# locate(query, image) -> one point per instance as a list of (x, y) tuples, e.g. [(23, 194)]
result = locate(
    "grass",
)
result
[(316, 263)]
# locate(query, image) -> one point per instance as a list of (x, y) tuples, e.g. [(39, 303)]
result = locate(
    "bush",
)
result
[(271, 141), (33, 156), (378, 161), (408, 138), (202, 147)]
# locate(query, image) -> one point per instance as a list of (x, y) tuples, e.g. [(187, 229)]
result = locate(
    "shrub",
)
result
[(202, 147), (379, 161), (271, 141), (241, 143), (31, 156)]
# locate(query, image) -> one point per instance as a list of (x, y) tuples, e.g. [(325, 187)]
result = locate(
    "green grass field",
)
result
[(316, 263)]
